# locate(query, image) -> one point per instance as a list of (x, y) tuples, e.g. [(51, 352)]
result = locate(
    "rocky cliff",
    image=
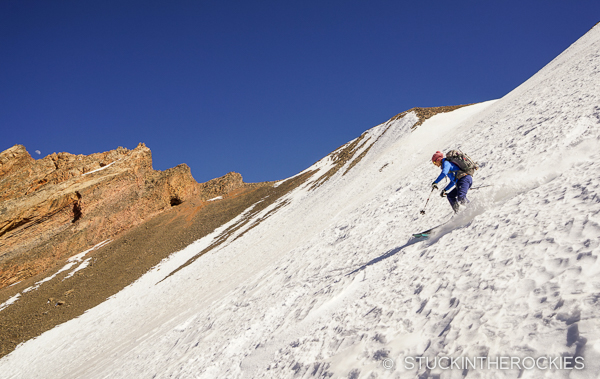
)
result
[(62, 204)]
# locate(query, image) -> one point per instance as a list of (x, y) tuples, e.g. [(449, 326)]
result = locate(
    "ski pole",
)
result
[(489, 185), (423, 210)]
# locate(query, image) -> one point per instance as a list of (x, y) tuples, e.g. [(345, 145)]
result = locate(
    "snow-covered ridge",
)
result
[(331, 285)]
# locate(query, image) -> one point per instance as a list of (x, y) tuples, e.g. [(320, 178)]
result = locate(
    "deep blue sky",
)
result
[(264, 88)]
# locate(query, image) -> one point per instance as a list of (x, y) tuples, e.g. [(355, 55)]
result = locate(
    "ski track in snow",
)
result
[(331, 285)]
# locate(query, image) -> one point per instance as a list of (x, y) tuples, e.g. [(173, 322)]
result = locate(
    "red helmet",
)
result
[(438, 156)]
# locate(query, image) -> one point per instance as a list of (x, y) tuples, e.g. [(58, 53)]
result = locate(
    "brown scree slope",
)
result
[(63, 204)]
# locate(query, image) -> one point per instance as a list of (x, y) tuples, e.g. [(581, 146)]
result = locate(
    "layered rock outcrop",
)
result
[(64, 203)]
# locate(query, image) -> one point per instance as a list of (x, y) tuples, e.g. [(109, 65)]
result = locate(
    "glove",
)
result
[(434, 186), (443, 193)]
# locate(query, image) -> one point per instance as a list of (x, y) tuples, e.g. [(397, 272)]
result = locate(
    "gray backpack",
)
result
[(462, 160)]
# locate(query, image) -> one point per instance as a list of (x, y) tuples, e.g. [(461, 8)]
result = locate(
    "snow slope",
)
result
[(331, 285)]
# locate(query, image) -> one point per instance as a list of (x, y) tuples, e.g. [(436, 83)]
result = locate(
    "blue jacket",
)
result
[(449, 169)]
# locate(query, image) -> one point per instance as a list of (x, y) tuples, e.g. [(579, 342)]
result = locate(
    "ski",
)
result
[(421, 235), (489, 185), (425, 234)]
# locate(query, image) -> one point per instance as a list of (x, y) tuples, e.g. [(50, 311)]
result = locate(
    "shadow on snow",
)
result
[(388, 254)]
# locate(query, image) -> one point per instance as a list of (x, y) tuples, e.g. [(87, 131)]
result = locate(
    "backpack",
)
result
[(462, 160)]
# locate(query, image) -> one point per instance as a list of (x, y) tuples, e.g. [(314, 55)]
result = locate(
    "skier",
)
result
[(458, 179)]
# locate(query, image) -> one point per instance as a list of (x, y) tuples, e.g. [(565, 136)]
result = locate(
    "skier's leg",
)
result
[(452, 199), (462, 187)]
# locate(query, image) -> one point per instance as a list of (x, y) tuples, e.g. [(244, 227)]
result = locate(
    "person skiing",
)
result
[(458, 179)]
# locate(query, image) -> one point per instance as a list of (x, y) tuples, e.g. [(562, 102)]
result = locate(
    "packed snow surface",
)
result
[(332, 284)]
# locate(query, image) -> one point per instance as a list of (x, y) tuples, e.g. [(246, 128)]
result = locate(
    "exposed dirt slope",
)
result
[(122, 261), (426, 113)]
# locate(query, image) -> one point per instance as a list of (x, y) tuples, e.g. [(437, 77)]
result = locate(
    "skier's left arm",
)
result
[(451, 175), (445, 170)]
